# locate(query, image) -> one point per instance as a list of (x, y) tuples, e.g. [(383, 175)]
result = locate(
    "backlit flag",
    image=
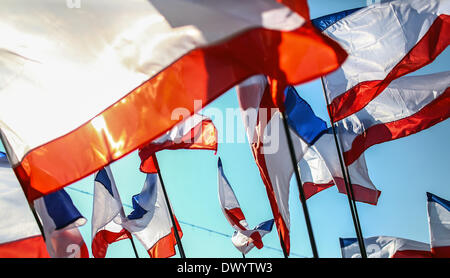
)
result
[(263, 123), (150, 220), (107, 215), (408, 105), (196, 132), (320, 168), (20, 236), (384, 41), (439, 225), (60, 220), (244, 242), (232, 210), (385, 247), (114, 84)]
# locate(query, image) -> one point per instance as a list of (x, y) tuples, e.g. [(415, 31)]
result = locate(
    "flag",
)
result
[(20, 236), (385, 247), (120, 79), (408, 105), (150, 220), (243, 240), (107, 215), (60, 220), (384, 41), (263, 123), (196, 132), (438, 211), (233, 213), (320, 169)]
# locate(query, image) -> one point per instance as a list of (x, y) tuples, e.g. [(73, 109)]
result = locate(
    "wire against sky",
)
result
[(193, 225)]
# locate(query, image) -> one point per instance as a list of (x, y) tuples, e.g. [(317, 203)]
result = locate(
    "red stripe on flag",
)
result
[(236, 215), (311, 188), (32, 247), (441, 251), (103, 238), (412, 254), (424, 52), (361, 193), (165, 247), (433, 113), (145, 113)]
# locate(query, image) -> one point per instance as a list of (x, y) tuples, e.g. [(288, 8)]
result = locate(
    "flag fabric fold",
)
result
[(438, 211), (385, 247), (60, 220), (150, 220), (20, 236), (384, 41), (244, 238), (138, 63), (196, 132), (107, 215)]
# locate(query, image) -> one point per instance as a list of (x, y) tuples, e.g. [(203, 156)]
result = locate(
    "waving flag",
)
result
[(243, 240), (107, 215), (439, 225), (150, 220), (60, 220), (385, 41), (320, 168), (385, 247), (196, 132), (408, 105), (233, 213), (20, 236), (120, 79), (262, 121)]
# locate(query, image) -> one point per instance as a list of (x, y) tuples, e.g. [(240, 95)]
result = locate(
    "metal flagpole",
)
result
[(347, 181), (299, 185), (177, 236), (283, 247)]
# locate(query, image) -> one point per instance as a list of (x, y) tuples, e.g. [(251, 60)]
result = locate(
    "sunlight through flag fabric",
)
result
[(20, 236), (99, 91)]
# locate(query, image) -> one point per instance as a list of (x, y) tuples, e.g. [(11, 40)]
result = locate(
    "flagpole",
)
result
[(175, 228), (347, 181), (243, 255), (283, 247), (300, 186)]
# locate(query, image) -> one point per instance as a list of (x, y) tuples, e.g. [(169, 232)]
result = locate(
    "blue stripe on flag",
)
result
[(61, 209), (138, 211), (2, 154), (346, 241), (301, 117), (433, 198), (102, 177), (266, 226), (326, 21)]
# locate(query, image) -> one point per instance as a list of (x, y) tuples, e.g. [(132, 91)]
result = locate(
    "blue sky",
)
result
[(403, 170)]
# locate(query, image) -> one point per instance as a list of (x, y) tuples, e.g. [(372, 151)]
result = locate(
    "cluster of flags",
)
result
[(438, 211), (144, 66)]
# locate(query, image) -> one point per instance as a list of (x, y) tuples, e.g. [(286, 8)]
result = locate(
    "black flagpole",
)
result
[(299, 185), (177, 236), (283, 247), (348, 184)]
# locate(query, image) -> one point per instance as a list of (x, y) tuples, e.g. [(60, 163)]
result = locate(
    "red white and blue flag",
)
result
[(385, 247), (125, 75), (438, 210), (243, 238), (20, 236), (196, 132), (60, 220), (107, 215), (384, 41), (150, 220)]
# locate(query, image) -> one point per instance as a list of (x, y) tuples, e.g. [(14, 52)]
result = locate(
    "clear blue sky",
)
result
[(403, 170)]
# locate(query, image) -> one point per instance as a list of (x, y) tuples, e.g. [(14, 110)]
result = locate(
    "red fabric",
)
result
[(311, 189), (424, 52), (433, 113), (235, 215), (441, 252), (361, 193), (412, 254), (165, 247), (32, 247), (103, 238)]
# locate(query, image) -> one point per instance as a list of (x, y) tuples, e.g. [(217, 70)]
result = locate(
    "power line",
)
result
[(190, 224)]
